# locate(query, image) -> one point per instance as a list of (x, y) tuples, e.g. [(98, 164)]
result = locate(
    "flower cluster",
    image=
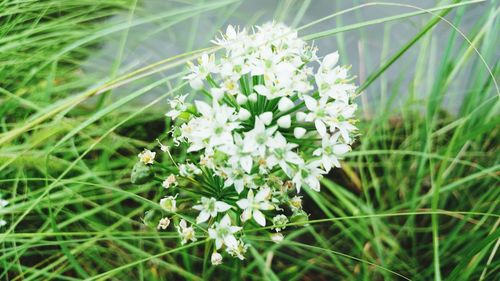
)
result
[(275, 119)]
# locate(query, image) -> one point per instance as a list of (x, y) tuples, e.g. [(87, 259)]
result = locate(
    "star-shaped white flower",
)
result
[(258, 138), (253, 204), (331, 150), (223, 233), (308, 175), (282, 154), (209, 207), (187, 233), (147, 156)]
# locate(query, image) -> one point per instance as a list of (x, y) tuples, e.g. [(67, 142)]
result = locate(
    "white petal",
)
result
[(239, 185), (212, 233), (340, 149), (243, 203), (330, 60), (327, 163), (234, 229), (311, 103), (320, 127), (263, 194), (222, 206), (259, 217), (203, 108), (230, 241), (246, 215), (225, 221), (218, 243), (246, 163), (262, 90), (202, 217)]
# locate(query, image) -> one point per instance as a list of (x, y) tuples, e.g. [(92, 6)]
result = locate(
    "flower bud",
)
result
[(277, 237), (330, 60), (252, 97), (266, 118), (284, 121), (285, 104), (217, 93), (241, 99), (243, 114), (216, 258), (301, 116), (299, 132)]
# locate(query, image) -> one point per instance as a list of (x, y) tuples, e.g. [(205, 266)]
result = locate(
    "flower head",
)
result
[(274, 119)]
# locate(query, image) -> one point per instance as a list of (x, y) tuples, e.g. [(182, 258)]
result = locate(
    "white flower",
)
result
[(177, 106), (296, 203), (238, 178), (170, 181), (320, 111), (223, 233), (282, 154), (308, 175), (163, 223), (187, 233), (237, 250), (216, 258), (252, 205), (198, 73), (147, 157), (258, 138), (330, 152), (169, 204), (213, 128), (237, 156), (209, 207), (277, 237)]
